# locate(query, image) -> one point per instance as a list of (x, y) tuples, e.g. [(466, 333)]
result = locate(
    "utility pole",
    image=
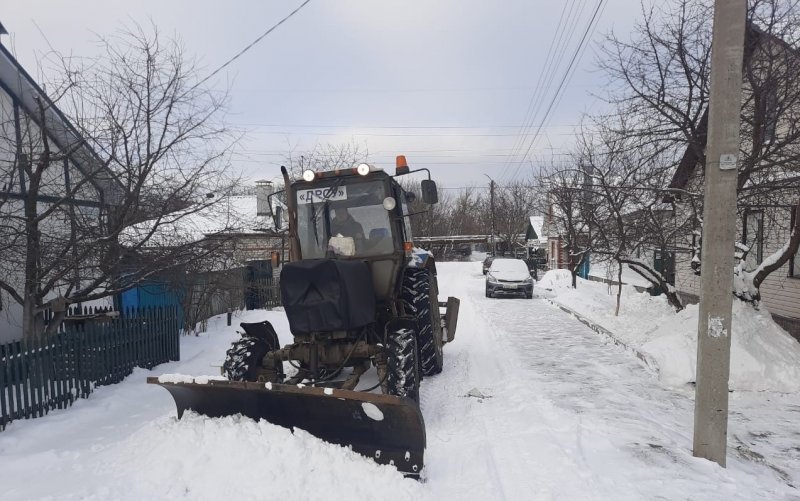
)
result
[(491, 195), (719, 230)]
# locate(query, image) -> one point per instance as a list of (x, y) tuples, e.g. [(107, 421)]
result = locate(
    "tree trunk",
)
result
[(788, 250), (619, 286), (657, 279), (30, 324)]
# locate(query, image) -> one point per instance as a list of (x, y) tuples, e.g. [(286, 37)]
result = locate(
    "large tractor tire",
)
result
[(403, 376), (421, 301), (243, 359)]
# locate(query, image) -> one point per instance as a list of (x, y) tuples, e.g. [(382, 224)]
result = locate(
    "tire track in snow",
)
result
[(571, 415), (508, 436)]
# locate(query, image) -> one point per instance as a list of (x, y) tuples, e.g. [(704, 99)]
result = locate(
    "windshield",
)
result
[(343, 219)]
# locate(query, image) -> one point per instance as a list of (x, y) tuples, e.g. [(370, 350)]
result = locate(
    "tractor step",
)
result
[(386, 428)]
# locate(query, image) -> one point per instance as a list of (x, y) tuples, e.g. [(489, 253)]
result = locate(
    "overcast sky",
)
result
[(449, 83)]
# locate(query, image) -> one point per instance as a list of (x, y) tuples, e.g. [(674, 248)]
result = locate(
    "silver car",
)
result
[(509, 277)]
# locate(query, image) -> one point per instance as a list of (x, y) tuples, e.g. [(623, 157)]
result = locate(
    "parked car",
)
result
[(487, 263), (509, 277)]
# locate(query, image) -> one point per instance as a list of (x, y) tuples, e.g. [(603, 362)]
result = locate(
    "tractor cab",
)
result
[(349, 217), (356, 214)]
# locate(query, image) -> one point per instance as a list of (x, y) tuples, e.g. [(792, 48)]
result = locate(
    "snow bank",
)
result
[(182, 378), (764, 357), (232, 458)]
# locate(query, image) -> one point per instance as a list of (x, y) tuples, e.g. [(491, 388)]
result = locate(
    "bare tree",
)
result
[(150, 149), (514, 203), (565, 206), (627, 214), (326, 157), (660, 79)]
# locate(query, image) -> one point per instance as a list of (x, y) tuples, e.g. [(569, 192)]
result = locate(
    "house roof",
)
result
[(229, 216), (692, 155), (537, 224), (17, 82)]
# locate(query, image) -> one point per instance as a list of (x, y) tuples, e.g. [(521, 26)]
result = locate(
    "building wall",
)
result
[(27, 139), (780, 293), (556, 255)]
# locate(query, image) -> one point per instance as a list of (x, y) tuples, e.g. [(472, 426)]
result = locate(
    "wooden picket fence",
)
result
[(39, 375)]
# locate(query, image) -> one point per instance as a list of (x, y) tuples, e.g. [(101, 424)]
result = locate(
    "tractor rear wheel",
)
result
[(421, 301), (403, 364), (243, 359)]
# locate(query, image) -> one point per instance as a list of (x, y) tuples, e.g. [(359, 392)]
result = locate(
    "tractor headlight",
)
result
[(363, 169), (389, 203), (308, 175)]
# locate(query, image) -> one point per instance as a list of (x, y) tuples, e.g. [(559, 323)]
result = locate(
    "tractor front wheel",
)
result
[(243, 359), (421, 301), (403, 364)]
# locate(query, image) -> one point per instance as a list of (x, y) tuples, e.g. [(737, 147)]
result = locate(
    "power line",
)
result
[(321, 126), (235, 57), (548, 75), (376, 134), (552, 63), (589, 28)]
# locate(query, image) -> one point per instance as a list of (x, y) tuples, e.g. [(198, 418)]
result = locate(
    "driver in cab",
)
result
[(343, 224)]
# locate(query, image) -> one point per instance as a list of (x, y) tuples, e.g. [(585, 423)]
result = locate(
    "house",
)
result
[(765, 216), (244, 253), (534, 236), (76, 184)]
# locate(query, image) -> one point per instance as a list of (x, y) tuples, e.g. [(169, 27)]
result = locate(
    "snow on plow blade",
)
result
[(387, 428)]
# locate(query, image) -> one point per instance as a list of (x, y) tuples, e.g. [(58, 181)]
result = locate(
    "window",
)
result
[(794, 261), (753, 238), (352, 211)]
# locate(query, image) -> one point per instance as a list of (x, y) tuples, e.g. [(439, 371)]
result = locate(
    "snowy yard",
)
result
[(532, 404)]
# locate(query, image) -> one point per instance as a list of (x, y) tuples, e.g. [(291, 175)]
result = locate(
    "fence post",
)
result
[(35, 376), (23, 404), (4, 388)]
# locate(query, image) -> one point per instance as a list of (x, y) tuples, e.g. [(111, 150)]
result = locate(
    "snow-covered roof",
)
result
[(43, 111), (229, 216), (537, 223)]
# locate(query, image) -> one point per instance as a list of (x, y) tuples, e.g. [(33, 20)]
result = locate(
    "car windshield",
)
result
[(342, 219), (510, 268)]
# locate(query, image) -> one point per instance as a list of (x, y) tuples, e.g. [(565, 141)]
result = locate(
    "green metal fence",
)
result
[(263, 293), (39, 375)]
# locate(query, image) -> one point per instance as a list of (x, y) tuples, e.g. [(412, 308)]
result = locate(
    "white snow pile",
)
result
[(764, 357), (183, 378), (228, 458)]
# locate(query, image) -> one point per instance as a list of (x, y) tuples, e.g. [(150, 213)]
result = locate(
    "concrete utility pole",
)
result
[(491, 194), (719, 231)]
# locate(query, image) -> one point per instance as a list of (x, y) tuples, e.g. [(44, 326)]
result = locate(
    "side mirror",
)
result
[(430, 194), (277, 217)]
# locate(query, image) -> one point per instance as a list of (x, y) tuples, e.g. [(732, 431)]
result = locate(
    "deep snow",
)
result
[(764, 357), (531, 405)]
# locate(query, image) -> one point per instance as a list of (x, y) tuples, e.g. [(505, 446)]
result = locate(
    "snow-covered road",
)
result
[(571, 415), (531, 405)]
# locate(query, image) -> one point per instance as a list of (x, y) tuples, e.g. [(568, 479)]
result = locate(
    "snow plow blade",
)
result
[(386, 428)]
